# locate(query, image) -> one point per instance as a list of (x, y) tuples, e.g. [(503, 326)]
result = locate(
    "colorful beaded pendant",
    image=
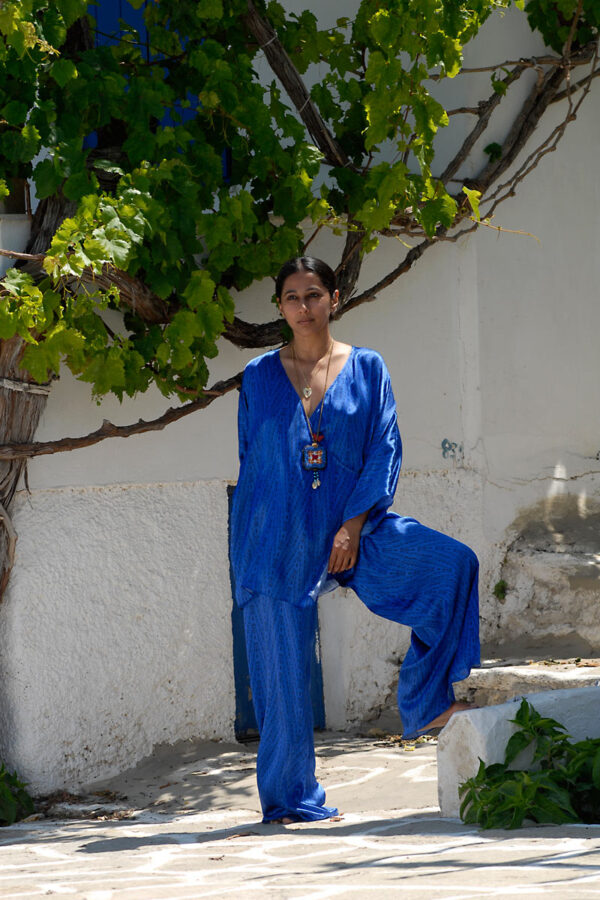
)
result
[(314, 458)]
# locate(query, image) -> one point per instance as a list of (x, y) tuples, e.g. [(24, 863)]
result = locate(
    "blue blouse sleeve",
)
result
[(376, 485)]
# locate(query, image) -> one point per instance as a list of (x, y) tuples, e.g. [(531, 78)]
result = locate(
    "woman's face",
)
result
[(306, 304)]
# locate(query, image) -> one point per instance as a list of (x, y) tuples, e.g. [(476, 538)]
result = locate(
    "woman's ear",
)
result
[(335, 301)]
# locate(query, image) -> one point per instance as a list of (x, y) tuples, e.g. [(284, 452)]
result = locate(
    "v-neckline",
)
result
[(328, 388)]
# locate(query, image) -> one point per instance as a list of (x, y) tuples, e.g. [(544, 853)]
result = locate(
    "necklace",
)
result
[(314, 458), (306, 390)]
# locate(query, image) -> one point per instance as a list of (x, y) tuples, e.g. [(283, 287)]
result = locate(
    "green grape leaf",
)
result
[(473, 197), (47, 178), (199, 290), (63, 70)]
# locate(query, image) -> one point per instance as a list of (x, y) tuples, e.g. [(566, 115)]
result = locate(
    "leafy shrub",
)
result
[(15, 802), (562, 784)]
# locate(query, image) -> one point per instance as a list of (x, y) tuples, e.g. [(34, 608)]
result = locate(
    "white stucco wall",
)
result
[(115, 633)]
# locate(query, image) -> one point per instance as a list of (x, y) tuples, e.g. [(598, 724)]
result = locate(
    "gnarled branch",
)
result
[(133, 293), (486, 108), (279, 60), (249, 335), (535, 105), (17, 450)]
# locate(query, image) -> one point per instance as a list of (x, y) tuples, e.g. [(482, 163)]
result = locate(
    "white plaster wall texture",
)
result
[(539, 323), (491, 345), (534, 612), (116, 630), (361, 656)]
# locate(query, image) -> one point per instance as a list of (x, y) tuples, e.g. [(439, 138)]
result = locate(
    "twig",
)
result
[(464, 111), (485, 223), (522, 128), (574, 23), (577, 86), (313, 236), (532, 62), (28, 199), (14, 254), (567, 52)]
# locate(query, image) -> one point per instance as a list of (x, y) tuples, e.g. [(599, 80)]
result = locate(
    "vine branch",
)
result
[(532, 62), (281, 64), (11, 544), (28, 450)]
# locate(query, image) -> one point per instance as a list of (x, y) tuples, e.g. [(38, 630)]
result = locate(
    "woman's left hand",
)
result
[(344, 551)]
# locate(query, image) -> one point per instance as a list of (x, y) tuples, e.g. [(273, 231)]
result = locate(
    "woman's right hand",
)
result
[(344, 550)]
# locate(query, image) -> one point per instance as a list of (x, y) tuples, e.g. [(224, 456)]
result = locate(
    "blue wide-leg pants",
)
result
[(406, 573)]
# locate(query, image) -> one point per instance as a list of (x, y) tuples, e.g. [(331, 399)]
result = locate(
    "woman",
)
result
[(320, 456)]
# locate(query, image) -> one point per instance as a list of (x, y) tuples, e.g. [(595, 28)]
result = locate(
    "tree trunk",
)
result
[(22, 403), (22, 400)]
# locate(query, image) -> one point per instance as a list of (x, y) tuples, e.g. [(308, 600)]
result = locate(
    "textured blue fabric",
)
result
[(279, 641), (282, 532), (281, 529), (419, 577)]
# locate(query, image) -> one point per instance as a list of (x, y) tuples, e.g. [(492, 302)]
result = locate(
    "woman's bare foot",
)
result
[(445, 717)]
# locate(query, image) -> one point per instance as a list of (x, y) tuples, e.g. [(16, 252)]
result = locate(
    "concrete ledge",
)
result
[(483, 734), (491, 685)]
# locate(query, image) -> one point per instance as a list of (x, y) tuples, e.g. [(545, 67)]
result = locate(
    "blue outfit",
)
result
[(282, 532)]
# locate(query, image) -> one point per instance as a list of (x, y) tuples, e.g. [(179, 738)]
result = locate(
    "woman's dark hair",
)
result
[(306, 264)]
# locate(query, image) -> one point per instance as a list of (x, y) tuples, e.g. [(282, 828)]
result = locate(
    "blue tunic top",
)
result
[(281, 529)]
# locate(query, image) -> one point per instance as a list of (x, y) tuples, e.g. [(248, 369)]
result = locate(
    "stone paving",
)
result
[(189, 828)]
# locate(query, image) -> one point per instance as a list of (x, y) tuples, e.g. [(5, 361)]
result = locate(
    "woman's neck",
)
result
[(311, 348)]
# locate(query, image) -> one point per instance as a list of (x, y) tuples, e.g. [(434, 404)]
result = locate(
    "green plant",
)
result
[(15, 802), (146, 224), (561, 20), (500, 589), (561, 785)]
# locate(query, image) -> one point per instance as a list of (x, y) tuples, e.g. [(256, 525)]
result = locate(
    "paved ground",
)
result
[(189, 828)]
